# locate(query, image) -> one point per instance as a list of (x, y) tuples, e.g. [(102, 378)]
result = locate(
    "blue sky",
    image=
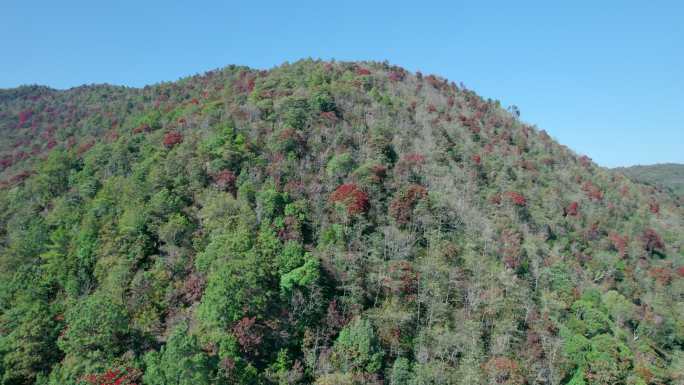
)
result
[(605, 78)]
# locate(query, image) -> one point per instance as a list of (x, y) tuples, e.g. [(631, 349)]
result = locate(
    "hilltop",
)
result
[(328, 223)]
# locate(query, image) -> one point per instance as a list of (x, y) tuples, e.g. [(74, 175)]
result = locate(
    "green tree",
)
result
[(356, 348), (179, 362)]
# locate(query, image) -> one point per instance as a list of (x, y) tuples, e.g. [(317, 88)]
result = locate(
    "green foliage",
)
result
[(401, 372), (302, 276), (29, 349), (234, 290), (270, 203), (356, 348), (97, 327), (295, 112), (588, 320), (179, 362), (339, 165)]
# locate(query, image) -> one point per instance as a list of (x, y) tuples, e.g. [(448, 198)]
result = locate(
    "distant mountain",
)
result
[(667, 175), (329, 223)]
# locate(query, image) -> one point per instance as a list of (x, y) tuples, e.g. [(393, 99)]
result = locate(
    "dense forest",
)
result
[(322, 223), (664, 176)]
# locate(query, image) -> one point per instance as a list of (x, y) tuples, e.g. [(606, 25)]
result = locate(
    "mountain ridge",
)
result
[(662, 175)]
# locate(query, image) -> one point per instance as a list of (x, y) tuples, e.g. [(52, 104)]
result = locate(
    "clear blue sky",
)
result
[(605, 78)]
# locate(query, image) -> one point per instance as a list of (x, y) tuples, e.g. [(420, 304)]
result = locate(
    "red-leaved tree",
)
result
[(652, 241), (516, 198), (352, 197), (172, 138), (129, 376), (403, 204), (572, 210)]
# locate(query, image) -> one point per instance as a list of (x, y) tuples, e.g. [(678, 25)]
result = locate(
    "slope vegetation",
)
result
[(327, 223)]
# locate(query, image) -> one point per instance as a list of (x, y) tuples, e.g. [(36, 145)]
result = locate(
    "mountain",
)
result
[(664, 176), (328, 223)]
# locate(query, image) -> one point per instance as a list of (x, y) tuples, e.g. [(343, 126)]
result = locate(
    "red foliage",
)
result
[(434, 82), (402, 206), (245, 82), (401, 279), (114, 377), (495, 199), (593, 232), (516, 198), (592, 191), (351, 196), (654, 207), (85, 146), (503, 370), (362, 71), (572, 210), (379, 173), (472, 123), (413, 159), (225, 180), (193, 288), (334, 318), (247, 334), (396, 76), (20, 177), (141, 128), (585, 161), (662, 275), (24, 116), (194, 101), (172, 138), (510, 248), (330, 116), (291, 230), (619, 243), (476, 159), (680, 271), (652, 241), (431, 108), (6, 162)]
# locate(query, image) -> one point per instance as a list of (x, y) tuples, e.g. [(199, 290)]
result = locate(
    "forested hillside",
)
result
[(322, 223), (665, 176)]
